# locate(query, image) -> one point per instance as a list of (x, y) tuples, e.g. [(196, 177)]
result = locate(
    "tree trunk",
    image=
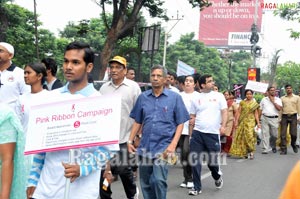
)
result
[(3, 23), (274, 64), (107, 51)]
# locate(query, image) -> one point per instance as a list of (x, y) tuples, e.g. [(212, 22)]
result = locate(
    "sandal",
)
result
[(251, 156)]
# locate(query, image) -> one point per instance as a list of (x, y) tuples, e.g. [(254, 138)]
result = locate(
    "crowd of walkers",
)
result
[(184, 116)]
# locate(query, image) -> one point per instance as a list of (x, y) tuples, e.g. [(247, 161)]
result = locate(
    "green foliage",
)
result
[(258, 97), (21, 34), (290, 14), (206, 60), (288, 73)]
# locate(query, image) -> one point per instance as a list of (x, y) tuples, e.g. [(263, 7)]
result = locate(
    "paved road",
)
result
[(261, 178)]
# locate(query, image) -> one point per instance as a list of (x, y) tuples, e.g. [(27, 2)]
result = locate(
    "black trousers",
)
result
[(120, 166), (184, 147), (285, 121)]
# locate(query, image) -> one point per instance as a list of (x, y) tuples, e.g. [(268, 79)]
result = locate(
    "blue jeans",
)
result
[(208, 145), (153, 179)]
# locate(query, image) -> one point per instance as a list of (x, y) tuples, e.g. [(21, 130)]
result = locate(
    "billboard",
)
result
[(221, 21)]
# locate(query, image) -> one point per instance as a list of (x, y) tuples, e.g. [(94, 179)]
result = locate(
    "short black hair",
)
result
[(248, 90), (288, 85), (50, 65), (130, 68), (172, 74), (181, 78), (196, 77), (202, 79), (89, 54), (270, 87)]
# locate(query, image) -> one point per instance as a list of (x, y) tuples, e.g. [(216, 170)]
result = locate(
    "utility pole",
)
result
[(36, 32), (166, 37)]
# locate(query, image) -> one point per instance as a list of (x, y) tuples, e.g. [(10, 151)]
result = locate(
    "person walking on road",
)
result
[(244, 140), (290, 113), (129, 91), (209, 114), (270, 107), (161, 113), (187, 95), (232, 111)]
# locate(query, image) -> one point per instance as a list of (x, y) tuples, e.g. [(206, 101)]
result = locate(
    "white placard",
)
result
[(257, 86), (184, 69), (74, 123)]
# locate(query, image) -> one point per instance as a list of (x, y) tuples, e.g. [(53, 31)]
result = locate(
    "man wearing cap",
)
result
[(129, 90), (12, 82)]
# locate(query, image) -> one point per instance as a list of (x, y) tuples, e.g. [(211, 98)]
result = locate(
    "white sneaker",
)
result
[(136, 196), (190, 185), (219, 183), (194, 192), (183, 185)]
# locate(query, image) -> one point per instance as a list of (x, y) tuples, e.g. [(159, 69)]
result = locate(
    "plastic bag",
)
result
[(257, 130)]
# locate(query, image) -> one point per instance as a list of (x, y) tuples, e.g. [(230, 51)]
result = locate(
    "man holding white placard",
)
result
[(49, 171)]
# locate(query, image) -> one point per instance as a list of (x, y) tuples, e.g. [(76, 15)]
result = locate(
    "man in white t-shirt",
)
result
[(50, 170), (12, 83), (209, 111)]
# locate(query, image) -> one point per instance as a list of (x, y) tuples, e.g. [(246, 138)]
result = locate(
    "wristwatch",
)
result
[(129, 142)]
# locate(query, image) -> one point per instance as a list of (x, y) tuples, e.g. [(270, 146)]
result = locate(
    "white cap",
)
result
[(8, 47)]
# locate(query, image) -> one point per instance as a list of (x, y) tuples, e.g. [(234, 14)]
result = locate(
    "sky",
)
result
[(55, 14)]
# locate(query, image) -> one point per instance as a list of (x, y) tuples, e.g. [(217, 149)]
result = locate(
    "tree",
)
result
[(288, 73), (21, 34), (208, 60), (290, 14), (273, 67), (125, 18), (3, 20)]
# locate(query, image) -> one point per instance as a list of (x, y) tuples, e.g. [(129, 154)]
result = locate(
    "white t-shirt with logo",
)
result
[(12, 86), (208, 107)]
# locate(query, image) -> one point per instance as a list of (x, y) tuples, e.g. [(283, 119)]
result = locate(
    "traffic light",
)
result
[(256, 50), (254, 38)]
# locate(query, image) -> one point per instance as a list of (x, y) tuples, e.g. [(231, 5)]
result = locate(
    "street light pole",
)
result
[(166, 38), (254, 29)]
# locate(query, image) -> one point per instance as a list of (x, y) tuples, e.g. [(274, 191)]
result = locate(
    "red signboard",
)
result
[(254, 74), (220, 19)]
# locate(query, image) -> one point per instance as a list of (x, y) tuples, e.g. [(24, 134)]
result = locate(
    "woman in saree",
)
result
[(244, 140), (232, 111)]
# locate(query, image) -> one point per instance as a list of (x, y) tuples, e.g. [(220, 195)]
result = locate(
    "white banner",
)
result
[(76, 123), (184, 69), (257, 86)]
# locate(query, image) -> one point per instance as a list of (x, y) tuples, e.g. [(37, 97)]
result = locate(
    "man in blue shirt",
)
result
[(161, 114)]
